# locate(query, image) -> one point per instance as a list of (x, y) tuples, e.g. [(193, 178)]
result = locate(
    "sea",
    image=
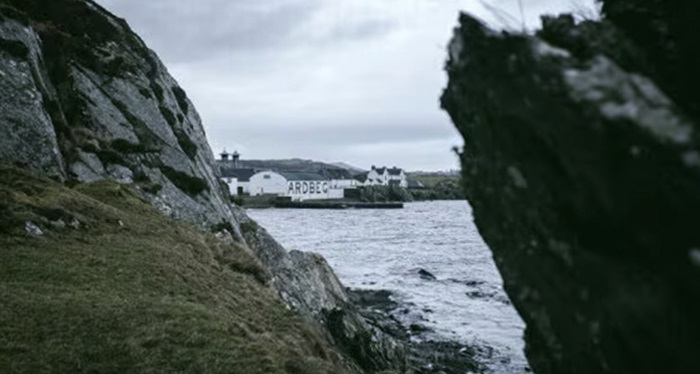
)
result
[(386, 249)]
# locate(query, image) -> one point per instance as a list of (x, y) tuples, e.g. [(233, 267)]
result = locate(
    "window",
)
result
[(266, 176)]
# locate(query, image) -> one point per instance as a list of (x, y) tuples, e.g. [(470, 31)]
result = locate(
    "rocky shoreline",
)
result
[(423, 355)]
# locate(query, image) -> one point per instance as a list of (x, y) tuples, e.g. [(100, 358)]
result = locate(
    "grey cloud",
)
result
[(335, 80), (341, 135), (361, 30), (187, 30)]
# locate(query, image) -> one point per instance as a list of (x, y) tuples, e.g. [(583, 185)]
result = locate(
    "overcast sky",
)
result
[(331, 80)]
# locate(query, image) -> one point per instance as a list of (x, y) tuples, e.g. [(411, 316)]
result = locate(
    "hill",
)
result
[(93, 279), (294, 164)]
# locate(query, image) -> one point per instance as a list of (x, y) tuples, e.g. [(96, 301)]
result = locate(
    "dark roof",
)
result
[(380, 171), (302, 176), (361, 177), (243, 175), (394, 171), (336, 173)]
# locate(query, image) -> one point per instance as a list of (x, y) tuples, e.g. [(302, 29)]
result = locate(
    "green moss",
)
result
[(192, 186), (157, 90), (168, 115), (145, 93), (249, 226), (186, 144), (146, 137), (181, 98), (132, 291)]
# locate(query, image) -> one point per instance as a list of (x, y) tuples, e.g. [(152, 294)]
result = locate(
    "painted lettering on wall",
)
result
[(307, 188)]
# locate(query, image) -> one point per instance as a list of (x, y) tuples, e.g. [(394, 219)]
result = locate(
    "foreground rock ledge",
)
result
[(584, 177)]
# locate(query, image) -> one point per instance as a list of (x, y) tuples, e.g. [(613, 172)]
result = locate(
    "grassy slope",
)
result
[(133, 291)]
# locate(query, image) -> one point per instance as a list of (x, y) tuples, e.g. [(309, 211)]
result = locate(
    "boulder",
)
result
[(581, 162)]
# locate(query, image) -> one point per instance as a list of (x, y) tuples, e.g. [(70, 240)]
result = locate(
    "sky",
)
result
[(356, 81)]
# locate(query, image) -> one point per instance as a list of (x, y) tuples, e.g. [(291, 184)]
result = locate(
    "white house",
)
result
[(238, 180), (382, 177), (397, 176)]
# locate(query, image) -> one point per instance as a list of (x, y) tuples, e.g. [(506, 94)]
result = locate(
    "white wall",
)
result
[(312, 190), (267, 183), (232, 184), (245, 186), (403, 182), (373, 178), (343, 183)]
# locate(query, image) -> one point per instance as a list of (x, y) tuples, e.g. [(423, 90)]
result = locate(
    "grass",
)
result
[(123, 289), (432, 179)]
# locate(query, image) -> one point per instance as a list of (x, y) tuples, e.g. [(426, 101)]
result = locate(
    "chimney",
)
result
[(374, 167), (236, 160), (224, 155)]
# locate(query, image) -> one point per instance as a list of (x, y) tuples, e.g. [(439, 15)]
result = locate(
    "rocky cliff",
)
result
[(581, 163), (83, 99)]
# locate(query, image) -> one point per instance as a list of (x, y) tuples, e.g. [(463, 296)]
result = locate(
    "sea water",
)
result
[(386, 249)]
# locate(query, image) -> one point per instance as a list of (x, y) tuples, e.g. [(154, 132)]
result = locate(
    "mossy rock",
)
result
[(181, 98)]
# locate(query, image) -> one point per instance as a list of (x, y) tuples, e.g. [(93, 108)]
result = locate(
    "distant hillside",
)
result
[(438, 186), (431, 179), (295, 164), (351, 168)]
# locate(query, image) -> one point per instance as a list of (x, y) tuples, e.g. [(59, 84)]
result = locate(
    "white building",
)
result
[(268, 182), (340, 178), (298, 186), (238, 180), (382, 177), (397, 176)]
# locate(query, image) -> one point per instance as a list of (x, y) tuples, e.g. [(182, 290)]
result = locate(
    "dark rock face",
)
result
[(584, 174), (666, 34)]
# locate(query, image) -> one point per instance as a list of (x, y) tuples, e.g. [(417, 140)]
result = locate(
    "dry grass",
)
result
[(131, 291)]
